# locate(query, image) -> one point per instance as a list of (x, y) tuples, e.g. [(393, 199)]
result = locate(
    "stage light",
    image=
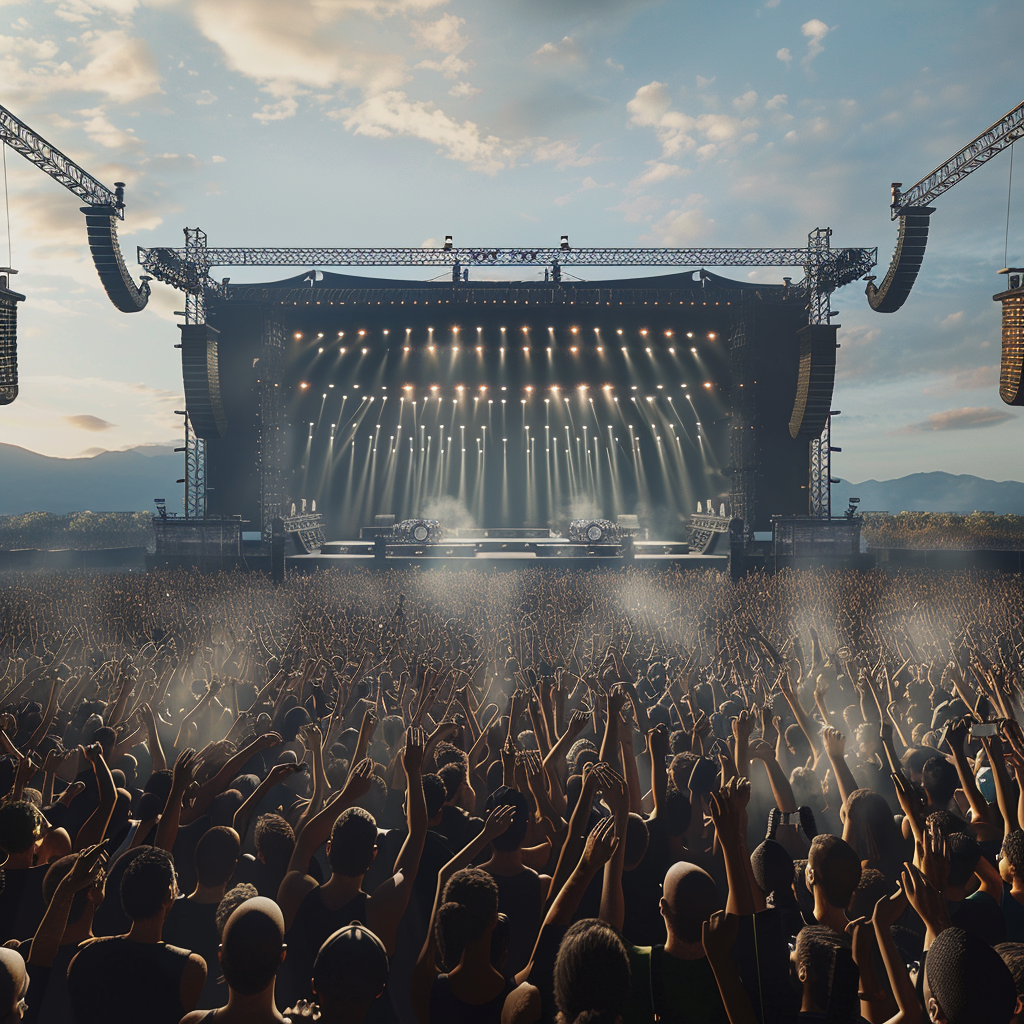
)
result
[(689, 334), (342, 351), (600, 348), (365, 350), (459, 388), (671, 351), (650, 398), (554, 387), (483, 387), (644, 332), (330, 385), (582, 387), (574, 330), (707, 384), (387, 332), (406, 349), (479, 348), (303, 385), (321, 350), (503, 388), (549, 350), (433, 387), (572, 349), (711, 337), (408, 330), (529, 388), (341, 334), (619, 331), (623, 349), (455, 349), (632, 387), (430, 348), (526, 330), (490, 401), (606, 387), (668, 334), (693, 350), (502, 350), (526, 349), (298, 336), (647, 350), (661, 387), (361, 333)]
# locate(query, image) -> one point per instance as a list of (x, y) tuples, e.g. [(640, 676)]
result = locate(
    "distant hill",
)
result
[(932, 492), (125, 481)]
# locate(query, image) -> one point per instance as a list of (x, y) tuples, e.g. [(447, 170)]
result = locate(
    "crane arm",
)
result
[(994, 139), (49, 159), (102, 213)]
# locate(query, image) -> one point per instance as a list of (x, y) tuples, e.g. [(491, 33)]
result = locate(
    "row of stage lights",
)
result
[(555, 389), (526, 330)]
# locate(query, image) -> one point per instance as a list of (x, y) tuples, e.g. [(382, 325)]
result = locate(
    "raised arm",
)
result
[(95, 827), (182, 777), (835, 748)]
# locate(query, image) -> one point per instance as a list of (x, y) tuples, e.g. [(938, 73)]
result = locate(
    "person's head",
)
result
[(873, 885), (453, 777), (275, 840), (434, 796), (294, 720), (512, 838), (216, 856), (106, 738), (223, 806), (1013, 956), (581, 753), (353, 843), (689, 898), (833, 870), (87, 899), (966, 981), (680, 768), (591, 978), (964, 853), (13, 985), (940, 781), (806, 787), (252, 946), (824, 965), (349, 973), (871, 829), (467, 914), (868, 741), (773, 870), (677, 813), (231, 901), (637, 841), (1011, 857), (20, 827), (149, 884)]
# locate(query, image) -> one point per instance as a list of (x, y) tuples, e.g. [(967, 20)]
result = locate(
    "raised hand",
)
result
[(88, 868), (268, 740), (612, 787), (657, 743), (498, 821), (412, 755), (760, 750), (931, 857), (578, 721), (835, 742), (185, 767), (601, 844), (357, 785), (311, 736), (742, 726), (718, 935)]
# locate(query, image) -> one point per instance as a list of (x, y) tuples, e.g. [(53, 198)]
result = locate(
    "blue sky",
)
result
[(618, 122)]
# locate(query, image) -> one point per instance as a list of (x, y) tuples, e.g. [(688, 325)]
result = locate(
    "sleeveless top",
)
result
[(447, 1008), (520, 898), (114, 979), (313, 925)]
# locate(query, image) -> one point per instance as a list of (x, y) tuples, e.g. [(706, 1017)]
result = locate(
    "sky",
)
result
[(617, 122)]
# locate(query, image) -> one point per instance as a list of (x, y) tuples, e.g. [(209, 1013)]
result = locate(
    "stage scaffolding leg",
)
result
[(272, 434), (195, 447), (819, 311)]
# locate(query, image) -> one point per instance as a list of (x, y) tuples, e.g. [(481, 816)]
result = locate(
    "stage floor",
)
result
[(508, 553)]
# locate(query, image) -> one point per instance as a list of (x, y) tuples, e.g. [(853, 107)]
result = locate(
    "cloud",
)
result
[(391, 113), (657, 172), (683, 225), (463, 89), (567, 51), (777, 102), (86, 422), (651, 107), (100, 129), (205, 98), (784, 55), (118, 66), (442, 35), (450, 67), (815, 31), (967, 418), (953, 319), (746, 101)]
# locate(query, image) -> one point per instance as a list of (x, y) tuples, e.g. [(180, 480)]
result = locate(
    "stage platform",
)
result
[(483, 552)]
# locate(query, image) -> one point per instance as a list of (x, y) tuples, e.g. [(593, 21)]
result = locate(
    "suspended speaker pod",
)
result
[(8, 340), (1012, 362)]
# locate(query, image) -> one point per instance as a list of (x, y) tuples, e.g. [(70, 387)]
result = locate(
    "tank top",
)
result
[(519, 897), (314, 923), (114, 979), (447, 1008)]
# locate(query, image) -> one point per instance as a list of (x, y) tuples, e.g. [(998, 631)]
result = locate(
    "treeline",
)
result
[(975, 531), (77, 530)]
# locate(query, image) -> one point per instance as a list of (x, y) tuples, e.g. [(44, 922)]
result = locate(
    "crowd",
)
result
[(79, 531), (596, 797)]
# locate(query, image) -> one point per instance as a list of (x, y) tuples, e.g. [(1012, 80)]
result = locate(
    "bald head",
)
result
[(13, 980), (689, 899), (252, 945)]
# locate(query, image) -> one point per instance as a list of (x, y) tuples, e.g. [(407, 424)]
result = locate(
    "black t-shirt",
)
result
[(21, 902), (192, 925), (117, 981)]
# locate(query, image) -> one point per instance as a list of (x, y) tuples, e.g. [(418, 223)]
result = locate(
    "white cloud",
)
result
[(205, 98), (450, 67), (703, 83), (815, 31), (683, 225), (652, 107), (100, 129), (442, 35), (966, 418), (784, 55), (463, 89), (392, 113), (568, 50), (777, 102), (745, 102), (657, 172)]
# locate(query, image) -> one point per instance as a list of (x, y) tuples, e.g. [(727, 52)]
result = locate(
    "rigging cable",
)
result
[(1009, 192), (7, 207)]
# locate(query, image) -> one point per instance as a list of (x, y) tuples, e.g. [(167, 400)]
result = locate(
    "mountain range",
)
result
[(128, 481)]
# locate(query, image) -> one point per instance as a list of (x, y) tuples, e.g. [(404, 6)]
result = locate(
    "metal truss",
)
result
[(819, 311), (48, 158), (195, 447), (993, 140), (179, 268)]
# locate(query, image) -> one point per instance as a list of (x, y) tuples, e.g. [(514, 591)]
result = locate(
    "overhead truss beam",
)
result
[(994, 139), (48, 158)]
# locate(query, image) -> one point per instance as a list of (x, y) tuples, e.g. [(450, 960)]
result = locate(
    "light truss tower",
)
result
[(819, 311), (195, 447)]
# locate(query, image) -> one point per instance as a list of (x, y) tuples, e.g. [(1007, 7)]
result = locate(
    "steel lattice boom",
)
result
[(188, 270), (47, 157), (993, 140)]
